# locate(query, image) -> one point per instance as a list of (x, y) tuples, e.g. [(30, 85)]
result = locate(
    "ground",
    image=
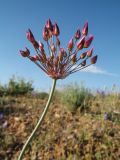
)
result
[(64, 135)]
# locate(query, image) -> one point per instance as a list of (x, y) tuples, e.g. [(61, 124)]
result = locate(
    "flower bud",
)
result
[(30, 36), (44, 57), (73, 58), (56, 30), (93, 59), (57, 41), (36, 45), (77, 34), (25, 53), (89, 53), (61, 54), (83, 63), (45, 34), (49, 24), (33, 58), (85, 29), (80, 44), (70, 44), (83, 55), (88, 41)]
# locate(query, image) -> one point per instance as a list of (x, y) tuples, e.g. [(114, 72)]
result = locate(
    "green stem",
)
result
[(39, 121)]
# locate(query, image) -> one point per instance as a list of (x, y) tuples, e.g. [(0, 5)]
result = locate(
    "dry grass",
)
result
[(63, 135)]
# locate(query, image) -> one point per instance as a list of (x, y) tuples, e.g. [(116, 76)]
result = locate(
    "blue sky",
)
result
[(104, 23)]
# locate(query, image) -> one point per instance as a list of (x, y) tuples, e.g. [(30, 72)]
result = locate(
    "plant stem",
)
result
[(39, 121)]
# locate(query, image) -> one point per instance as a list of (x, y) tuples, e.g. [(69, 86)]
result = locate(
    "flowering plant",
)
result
[(58, 63)]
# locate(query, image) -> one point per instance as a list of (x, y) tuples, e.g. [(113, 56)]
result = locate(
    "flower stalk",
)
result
[(58, 63), (39, 121)]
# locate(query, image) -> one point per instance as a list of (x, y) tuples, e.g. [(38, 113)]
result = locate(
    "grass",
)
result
[(64, 135)]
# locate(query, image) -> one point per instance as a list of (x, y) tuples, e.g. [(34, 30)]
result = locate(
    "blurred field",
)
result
[(80, 125)]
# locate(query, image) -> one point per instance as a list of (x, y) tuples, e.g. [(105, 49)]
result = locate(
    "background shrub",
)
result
[(76, 96), (16, 87)]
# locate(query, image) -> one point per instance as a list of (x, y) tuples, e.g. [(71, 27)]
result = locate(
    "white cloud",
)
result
[(96, 70)]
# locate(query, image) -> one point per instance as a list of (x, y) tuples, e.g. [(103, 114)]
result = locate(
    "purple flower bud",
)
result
[(77, 34), (30, 36), (70, 45), (85, 29), (61, 54), (45, 34), (57, 41), (73, 58), (49, 24), (83, 55), (94, 59), (88, 41), (56, 30), (89, 53), (83, 63), (33, 58), (25, 53), (36, 45), (41, 47), (80, 44)]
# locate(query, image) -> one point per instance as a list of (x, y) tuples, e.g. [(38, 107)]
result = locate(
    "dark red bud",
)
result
[(56, 30), (70, 45), (33, 58), (83, 63), (41, 47), (25, 53), (77, 34), (93, 59), (61, 54), (83, 55), (57, 42), (45, 34), (49, 24), (30, 36), (80, 44), (44, 57), (89, 53), (88, 41), (36, 45), (73, 58), (85, 29)]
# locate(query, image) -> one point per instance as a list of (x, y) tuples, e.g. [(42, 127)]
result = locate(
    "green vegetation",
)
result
[(76, 97), (16, 87)]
